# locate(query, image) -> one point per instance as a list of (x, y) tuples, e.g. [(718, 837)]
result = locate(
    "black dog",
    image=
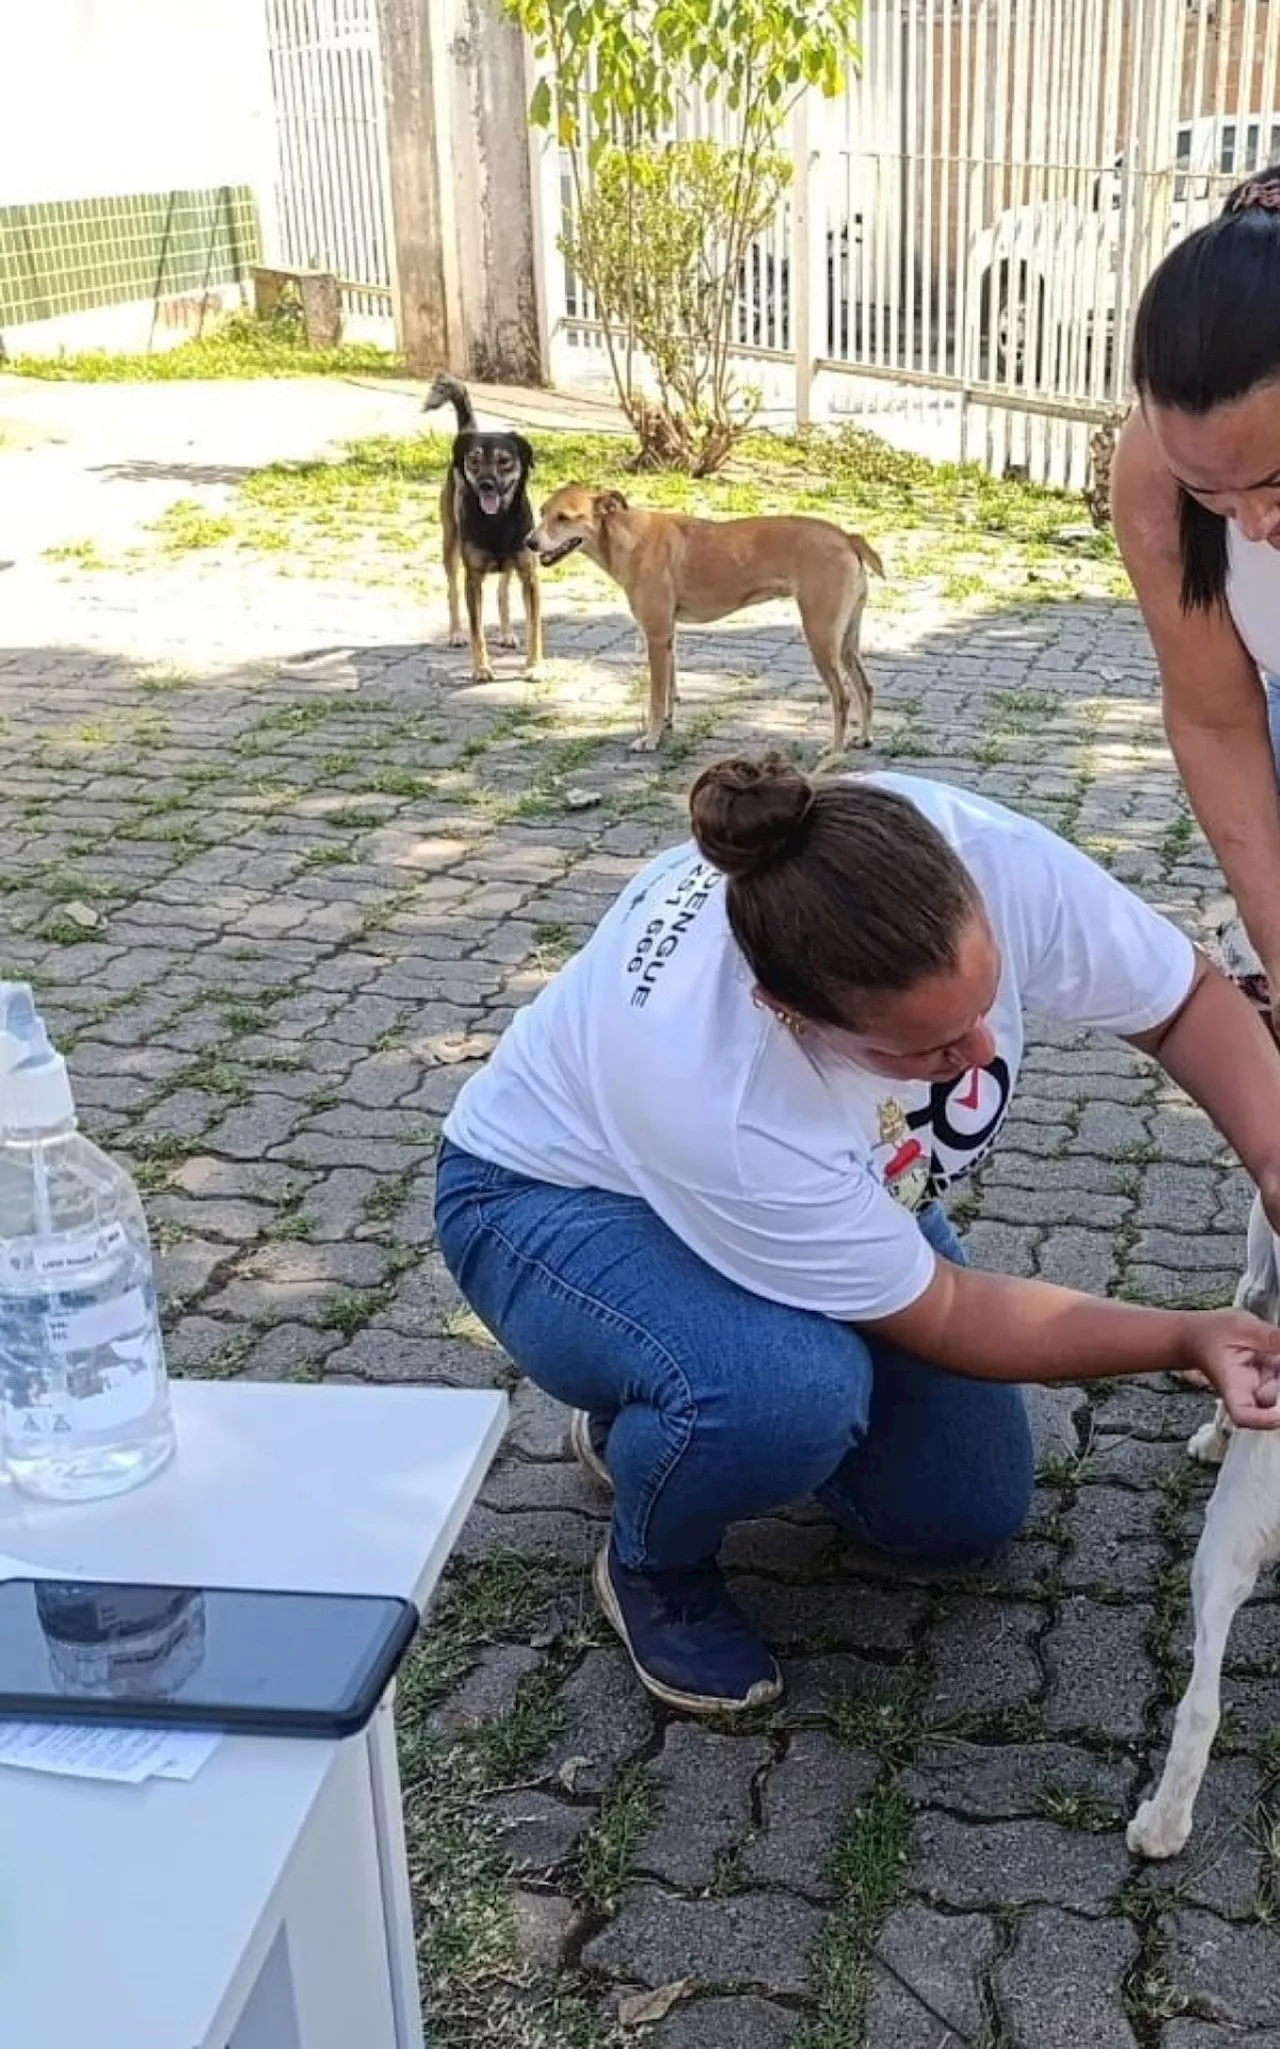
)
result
[(487, 519)]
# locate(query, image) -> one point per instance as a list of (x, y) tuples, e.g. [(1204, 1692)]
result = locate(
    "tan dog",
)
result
[(674, 570)]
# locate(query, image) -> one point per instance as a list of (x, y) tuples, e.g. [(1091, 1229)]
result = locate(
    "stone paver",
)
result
[(282, 874)]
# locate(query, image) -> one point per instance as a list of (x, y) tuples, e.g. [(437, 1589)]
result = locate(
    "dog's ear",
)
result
[(524, 450), (610, 501)]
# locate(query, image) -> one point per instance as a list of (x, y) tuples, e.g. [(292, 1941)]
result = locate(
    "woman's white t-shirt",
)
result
[(646, 1067)]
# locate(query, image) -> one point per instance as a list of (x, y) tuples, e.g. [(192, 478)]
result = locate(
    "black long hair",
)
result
[(1207, 331)]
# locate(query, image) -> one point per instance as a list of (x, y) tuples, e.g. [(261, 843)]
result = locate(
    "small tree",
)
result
[(661, 231)]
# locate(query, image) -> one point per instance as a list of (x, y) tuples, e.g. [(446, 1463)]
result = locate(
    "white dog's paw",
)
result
[(1157, 1833), (1209, 1445), (509, 638), (482, 673), (457, 638), (648, 743), (533, 672)]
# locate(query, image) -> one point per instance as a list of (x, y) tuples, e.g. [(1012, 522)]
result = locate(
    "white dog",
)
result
[(1241, 1534)]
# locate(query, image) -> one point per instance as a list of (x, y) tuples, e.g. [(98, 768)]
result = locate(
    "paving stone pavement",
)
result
[(281, 875)]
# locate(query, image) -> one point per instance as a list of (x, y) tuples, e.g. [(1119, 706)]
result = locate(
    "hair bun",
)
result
[(749, 813)]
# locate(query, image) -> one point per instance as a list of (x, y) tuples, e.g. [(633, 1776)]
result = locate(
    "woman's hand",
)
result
[(1239, 1356)]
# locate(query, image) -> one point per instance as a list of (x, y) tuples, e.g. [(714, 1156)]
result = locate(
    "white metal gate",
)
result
[(331, 205), (971, 222)]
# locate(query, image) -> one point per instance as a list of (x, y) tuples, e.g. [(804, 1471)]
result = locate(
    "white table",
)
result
[(264, 1905)]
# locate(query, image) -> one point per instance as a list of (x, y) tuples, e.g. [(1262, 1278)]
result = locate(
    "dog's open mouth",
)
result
[(490, 497), (557, 554)]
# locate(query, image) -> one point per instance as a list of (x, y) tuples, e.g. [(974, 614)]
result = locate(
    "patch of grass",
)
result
[(66, 932), (292, 1224), (240, 346), (905, 744), (353, 819), (607, 1851), (388, 1197), (869, 1869), (399, 782), (186, 525), (161, 1146), (482, 1991), (884, 1719), (554, 943), (327, 854), (1167, 1637), (1019, 709), (164, 677), (85, 554), (243, 1015), (1060, 1469), (349, 1311), (976, 537), (1071, 1809), (499, 1598)]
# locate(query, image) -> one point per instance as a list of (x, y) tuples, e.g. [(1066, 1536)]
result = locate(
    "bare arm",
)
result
[(992, 1327), (1214, 708), (996, 1328), (1218, 1048)]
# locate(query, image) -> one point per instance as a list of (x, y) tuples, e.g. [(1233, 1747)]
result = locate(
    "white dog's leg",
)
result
[(1210, 1441), (1233, 1545), (1259, 1285), (1258, 1290)]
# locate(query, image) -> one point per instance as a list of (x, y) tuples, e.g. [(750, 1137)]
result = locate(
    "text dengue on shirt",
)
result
[(646, 1068)]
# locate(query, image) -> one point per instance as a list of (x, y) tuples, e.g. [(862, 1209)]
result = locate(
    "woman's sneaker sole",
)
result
[(762, 1694), (585, 1451)]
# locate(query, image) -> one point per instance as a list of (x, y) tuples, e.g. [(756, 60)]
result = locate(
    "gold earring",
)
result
[(791, 1019)]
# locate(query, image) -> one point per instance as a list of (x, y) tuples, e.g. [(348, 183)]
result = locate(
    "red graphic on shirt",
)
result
[(900, 1159), (970, 1099), (897, 1163)]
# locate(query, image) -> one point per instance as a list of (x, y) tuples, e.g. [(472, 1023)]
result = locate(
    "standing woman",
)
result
[(1196, 503)]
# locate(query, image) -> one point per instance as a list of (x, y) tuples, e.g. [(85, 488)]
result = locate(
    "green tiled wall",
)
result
[(70, 256)]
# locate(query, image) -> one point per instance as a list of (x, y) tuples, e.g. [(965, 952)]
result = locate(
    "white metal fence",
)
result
[(331, 206), (970, 224)]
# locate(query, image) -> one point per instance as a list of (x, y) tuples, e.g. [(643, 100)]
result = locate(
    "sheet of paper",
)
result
[(89, 1750), (185, 1751)]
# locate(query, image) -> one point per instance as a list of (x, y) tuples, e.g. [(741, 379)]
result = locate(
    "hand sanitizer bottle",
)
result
[(84, 1399)]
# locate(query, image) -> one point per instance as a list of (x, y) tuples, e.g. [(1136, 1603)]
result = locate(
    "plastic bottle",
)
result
[(84, 1398)]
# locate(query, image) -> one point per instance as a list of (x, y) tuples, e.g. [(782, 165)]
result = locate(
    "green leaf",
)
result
[(540, 105)]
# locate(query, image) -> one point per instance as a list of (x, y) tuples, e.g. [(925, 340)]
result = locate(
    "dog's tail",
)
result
[(865, 553), (451, 391)]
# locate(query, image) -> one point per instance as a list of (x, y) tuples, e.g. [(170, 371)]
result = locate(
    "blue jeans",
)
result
[(725, 1405)]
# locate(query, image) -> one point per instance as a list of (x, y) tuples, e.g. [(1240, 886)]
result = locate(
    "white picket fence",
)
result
[(970, 223), (330, 208)]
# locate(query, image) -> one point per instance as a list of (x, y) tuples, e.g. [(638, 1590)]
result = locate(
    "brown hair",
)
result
[(833, 886)]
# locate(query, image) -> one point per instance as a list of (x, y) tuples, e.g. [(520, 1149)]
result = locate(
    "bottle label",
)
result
[(120, 1395), (61, 1260), (101, 1323)]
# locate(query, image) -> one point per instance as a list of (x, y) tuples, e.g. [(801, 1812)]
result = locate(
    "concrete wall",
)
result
[(136, 141)]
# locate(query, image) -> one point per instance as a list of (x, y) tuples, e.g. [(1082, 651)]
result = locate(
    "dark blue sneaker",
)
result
[(691, 1646), (589, 1441)]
